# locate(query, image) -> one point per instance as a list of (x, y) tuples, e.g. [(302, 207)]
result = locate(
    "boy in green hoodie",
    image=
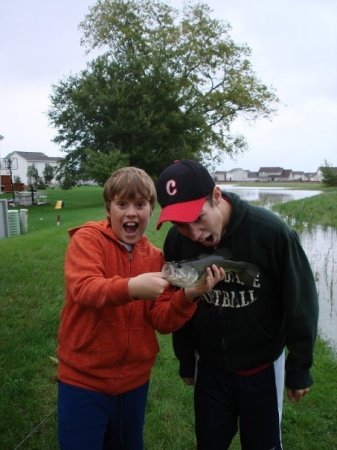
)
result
[(233, 349)]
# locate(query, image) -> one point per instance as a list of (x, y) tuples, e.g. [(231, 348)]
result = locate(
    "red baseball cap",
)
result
[(182, 189)]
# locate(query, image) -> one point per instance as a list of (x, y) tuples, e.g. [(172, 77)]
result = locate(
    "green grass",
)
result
[(31, 298), (319, 209)]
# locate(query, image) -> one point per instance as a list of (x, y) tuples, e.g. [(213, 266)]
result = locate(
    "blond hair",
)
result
[(131, 183)]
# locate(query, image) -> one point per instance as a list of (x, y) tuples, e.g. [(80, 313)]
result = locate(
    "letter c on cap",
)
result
[(171, 187)]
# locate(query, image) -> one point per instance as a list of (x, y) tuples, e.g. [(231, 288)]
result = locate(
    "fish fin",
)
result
[(224, 252), (202, 255), (248, 274)]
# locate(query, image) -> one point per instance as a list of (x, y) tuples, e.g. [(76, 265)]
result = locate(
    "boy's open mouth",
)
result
[(130, 227), (208, 241)]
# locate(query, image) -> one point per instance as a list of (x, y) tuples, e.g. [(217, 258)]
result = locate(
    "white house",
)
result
[(237, 175), (219, 176), (266, 174), (317, 176), (22, 160), (270, 173), (300, 176)]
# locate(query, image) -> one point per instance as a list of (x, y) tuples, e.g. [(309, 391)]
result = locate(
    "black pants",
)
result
[(226, 402)]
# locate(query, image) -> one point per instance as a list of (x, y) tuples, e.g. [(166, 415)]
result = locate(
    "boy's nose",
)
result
[(131, 211)]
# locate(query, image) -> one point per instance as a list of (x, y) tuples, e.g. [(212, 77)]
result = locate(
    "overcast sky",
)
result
[(294, 49)]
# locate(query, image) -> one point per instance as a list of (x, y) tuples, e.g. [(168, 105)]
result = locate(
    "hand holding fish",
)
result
[(147, 286), (214, 274)]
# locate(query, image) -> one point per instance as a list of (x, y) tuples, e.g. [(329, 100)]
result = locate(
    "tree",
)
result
[(67, 173), (32, 174), (167, 86), (48, 173), (99, 166), (329, 174)]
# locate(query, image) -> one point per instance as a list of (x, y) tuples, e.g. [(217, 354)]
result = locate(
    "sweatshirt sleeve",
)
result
[(301, 314), (85, 273), (170, 311), (184, 350)]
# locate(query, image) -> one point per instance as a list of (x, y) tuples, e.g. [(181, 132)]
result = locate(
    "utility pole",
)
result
[(9, 164)]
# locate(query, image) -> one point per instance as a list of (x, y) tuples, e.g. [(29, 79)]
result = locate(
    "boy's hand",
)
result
[(147, 286), (214, 274), (295, 395)]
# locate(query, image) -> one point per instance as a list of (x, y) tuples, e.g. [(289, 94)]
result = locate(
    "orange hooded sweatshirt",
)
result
[(107, 340)]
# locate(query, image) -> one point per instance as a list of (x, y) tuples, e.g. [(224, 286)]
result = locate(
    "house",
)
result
[(234, 175), (275, 174), (219, 176), (317, 176), (253, 176), (300, 176), (20, 161), (266, 174), (287, 175), (270, 173), (237, 175)]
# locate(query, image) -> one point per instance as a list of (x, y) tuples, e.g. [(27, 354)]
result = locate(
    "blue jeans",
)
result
[(89, 420)]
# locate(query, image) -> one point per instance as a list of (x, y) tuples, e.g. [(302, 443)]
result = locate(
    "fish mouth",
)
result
[(179, 276), (167, 270)]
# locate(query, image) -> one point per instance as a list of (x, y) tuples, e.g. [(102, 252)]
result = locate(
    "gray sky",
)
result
[(294, 49)]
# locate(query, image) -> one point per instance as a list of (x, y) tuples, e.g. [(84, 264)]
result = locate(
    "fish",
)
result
[(191, 273)]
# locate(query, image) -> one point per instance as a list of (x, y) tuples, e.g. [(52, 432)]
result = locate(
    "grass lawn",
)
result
[(31, 297)]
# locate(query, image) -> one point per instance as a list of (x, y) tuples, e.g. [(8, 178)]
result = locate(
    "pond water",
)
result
[(320, 245), (268, 195)]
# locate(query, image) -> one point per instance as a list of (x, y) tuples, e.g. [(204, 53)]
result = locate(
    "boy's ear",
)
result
[(217, 196)]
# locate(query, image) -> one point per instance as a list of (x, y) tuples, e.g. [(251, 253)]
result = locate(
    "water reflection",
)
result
[(320, 245), (267, 195)]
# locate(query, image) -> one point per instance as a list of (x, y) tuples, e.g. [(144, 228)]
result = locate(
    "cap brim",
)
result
[(181, 212)]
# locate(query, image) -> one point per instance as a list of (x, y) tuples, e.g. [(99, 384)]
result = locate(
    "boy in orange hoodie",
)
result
[(116, 299)]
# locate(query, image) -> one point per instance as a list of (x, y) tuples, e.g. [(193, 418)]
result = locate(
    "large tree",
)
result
[(168, 84)]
